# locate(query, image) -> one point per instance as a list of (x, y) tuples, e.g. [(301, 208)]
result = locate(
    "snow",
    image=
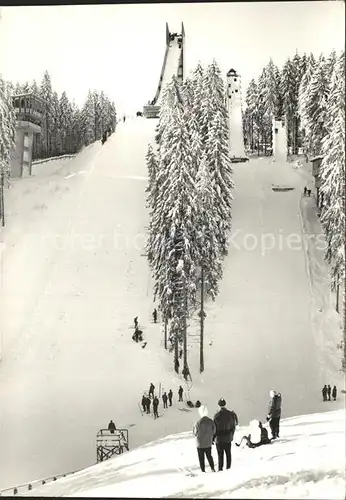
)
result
[(307, 461), (74, 276)]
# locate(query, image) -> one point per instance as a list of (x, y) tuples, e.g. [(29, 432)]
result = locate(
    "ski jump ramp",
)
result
[(173, 65)]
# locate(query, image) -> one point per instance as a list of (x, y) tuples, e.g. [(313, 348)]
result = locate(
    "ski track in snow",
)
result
[(74, 276)]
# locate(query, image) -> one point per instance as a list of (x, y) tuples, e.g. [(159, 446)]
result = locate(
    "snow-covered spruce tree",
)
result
[(174, 223), (7, 140), (209, 255), (168, 102), (303, 98), (88, 120), (197, 80), (333, 175), (152, 174), (220, 167), (212, 99), (251, 115), (316, 108), (46, 93)]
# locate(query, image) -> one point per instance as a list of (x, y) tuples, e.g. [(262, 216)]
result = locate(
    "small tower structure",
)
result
[(279, 139), (29, 113), (236, 135)]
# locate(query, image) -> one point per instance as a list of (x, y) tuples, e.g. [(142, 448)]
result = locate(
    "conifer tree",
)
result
[(316, 108), (209, 256), (219, 164), (333, 175)]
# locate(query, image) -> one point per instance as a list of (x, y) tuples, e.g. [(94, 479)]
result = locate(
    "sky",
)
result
[(120, 48)]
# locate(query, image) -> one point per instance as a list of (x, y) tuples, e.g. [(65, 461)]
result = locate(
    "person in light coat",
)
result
[(204, 430)]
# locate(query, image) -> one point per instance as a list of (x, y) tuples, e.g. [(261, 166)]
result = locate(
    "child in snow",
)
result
[(258, 435)]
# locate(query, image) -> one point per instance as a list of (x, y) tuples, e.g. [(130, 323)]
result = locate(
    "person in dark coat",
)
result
[(180, 393), (144, 403), (225, 422), (155, 407), (324, 393), (164, 400), (148, 404), (170, 396), (155, 315), (111, 427), (151, 390), (274, 413), (135, 320), (204, 431), (334, 393), (305, 190), (329, 392)]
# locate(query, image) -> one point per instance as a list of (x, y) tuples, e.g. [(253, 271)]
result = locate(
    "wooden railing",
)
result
[(21, 488)]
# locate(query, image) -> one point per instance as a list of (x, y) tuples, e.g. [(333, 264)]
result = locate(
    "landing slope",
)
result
[(308, 461)]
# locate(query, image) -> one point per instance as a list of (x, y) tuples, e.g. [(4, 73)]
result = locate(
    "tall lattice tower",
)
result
[(236, 135)]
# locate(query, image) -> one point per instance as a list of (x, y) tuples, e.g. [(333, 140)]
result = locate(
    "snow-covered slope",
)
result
[(74, 276), (308, 461)]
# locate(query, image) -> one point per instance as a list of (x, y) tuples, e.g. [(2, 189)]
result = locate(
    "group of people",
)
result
[(138, 334), (221, 429), (146, 400), (327, 392), (307, 191)]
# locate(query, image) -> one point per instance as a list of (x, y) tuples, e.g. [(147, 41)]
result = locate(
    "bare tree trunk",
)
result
[(201, 345), (185, 328), (165, 332)]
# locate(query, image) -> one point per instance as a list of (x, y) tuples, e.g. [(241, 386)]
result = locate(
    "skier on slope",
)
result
[(170, 396), (135, 320), (155, 315), (155, 407), (144, 403), (274, 413)]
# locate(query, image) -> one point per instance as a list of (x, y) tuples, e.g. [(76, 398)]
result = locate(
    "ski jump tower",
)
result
[(236, 136), (279, 139), (173, 65)]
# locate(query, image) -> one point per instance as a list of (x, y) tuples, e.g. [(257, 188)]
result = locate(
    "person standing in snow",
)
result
[(180, 393), (155, 315), (225, 422), (324, 393), (135, 320), (204, 430), (155, 407), (111, 427), (274, 413), (151, 390), (329, 392), (334, 393), (164, 400), (148, 404), (144, 403), (170, 396)]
